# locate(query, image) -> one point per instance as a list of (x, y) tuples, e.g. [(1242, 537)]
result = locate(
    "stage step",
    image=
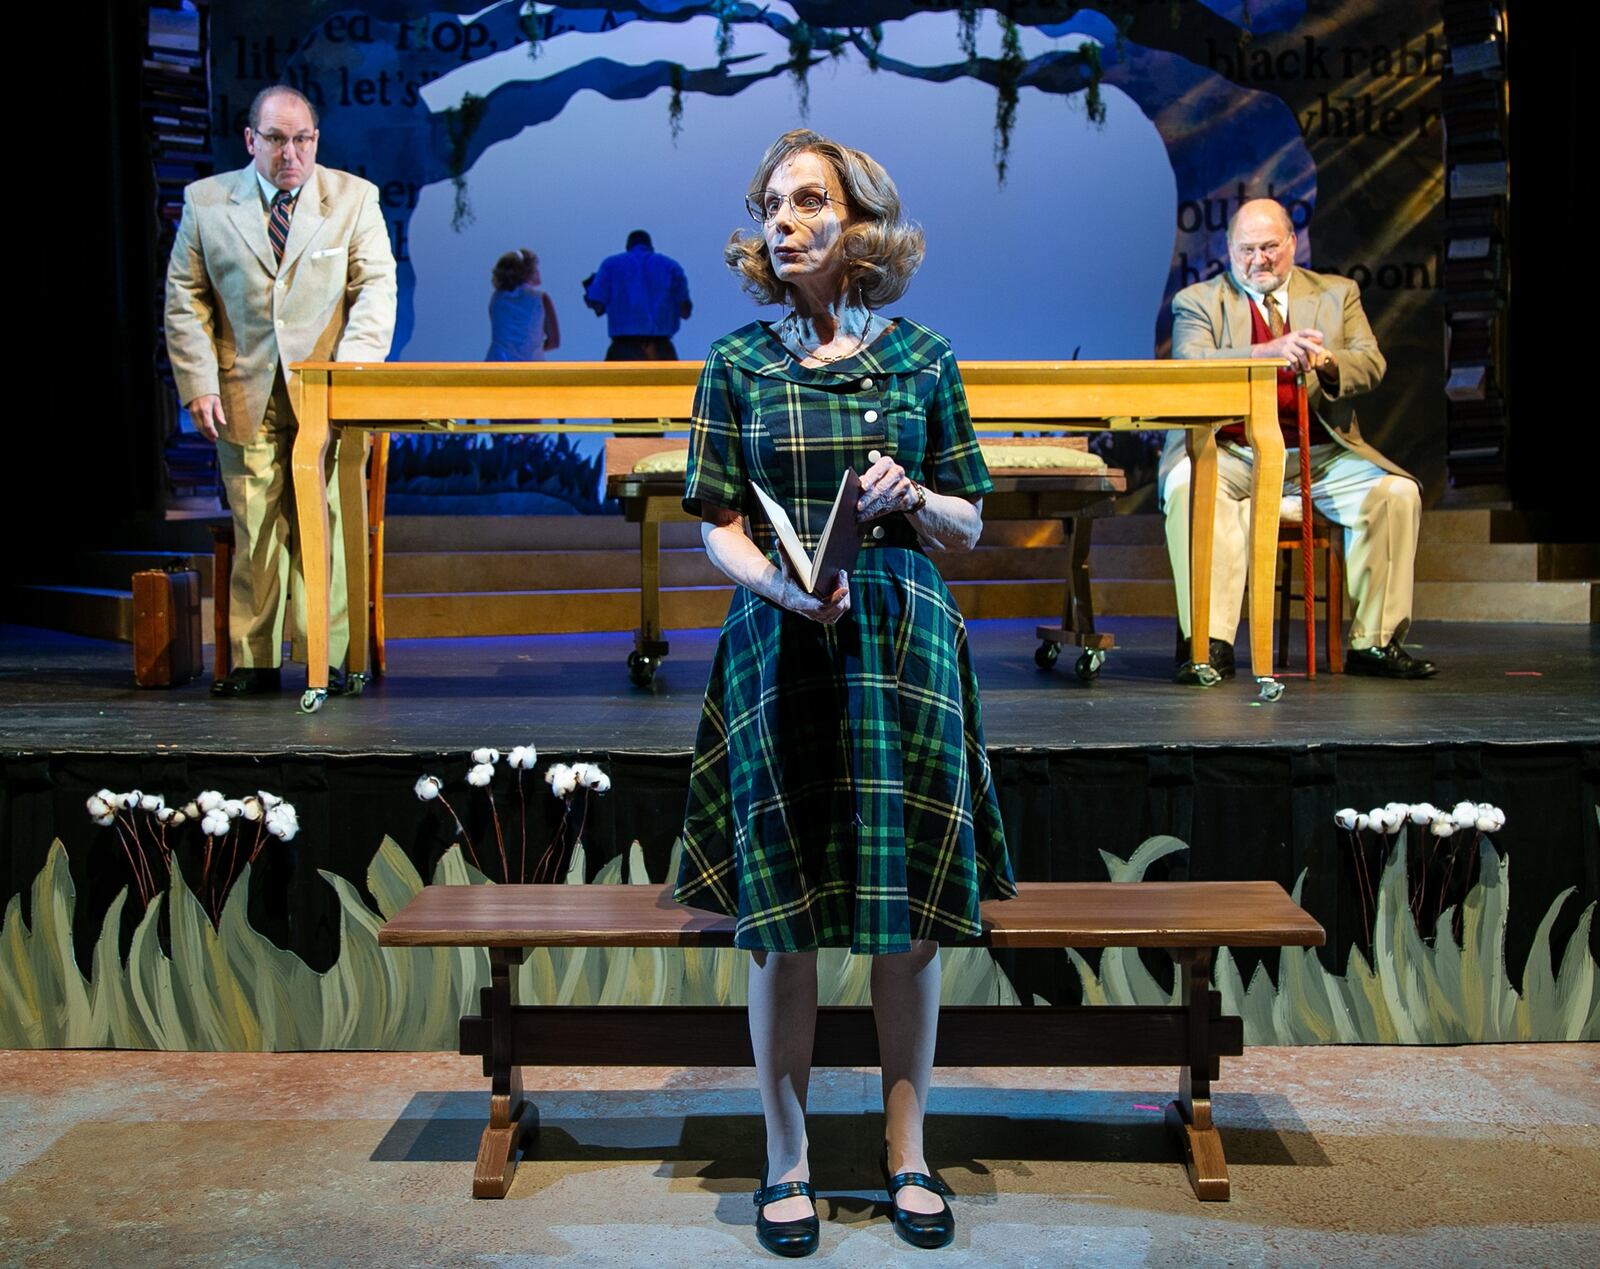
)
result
[(96, 612), (450, 615), (461, 575)]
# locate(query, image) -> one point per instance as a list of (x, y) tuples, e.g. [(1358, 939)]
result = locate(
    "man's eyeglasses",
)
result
[(1264, 249), (276, 141), (806, 202)]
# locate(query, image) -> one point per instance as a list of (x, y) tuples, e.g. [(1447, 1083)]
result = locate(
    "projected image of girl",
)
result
[(840, 794)]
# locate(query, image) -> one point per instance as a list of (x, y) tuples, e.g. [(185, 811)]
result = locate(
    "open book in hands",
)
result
[(836, 551)]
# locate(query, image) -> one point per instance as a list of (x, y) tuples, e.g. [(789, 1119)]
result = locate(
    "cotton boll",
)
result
[(209, 800), (1423, 813), (106, 796), (1444, 826), (1465, 814), (480, 775), (602, 782), (268, 800), (152, 802), (1378, 820), (523, 757), (106, 820), (1363, 822), (1485, 824), (192, 810), (282, 822), (563, 780), (178, 817), (252, 809), (215, 823), (427, 788), (165, 814), (233, 808), (1345, 818), (97, 806), (131, 800), (486, 756)]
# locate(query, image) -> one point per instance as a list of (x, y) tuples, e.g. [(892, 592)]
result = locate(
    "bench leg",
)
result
[(502, 1139), (1189, 1117)]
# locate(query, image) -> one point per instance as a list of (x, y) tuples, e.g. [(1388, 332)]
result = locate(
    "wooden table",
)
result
[(1190, 919), (1005, 396)]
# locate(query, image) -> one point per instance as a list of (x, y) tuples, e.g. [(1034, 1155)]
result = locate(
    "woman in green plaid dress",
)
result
[(840, 794)]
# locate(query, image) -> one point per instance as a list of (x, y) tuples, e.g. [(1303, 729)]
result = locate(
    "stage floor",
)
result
[(1499, 684), (1473, 1155)]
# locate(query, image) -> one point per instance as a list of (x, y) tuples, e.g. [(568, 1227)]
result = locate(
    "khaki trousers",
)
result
[(266, 554), (1381, 514)]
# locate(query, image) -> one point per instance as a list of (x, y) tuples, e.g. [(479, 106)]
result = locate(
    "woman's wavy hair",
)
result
[(881, 248), (514, 269)]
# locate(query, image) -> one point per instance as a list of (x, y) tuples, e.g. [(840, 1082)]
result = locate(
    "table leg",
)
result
[(1266, 491), (309, 391), (1189, 1117), (1079, 615), (502, 1139), (649, 647), (352, 476), (1202, 446)]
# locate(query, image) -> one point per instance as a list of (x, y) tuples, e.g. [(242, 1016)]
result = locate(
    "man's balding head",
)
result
[(1261, 244), (282, 136)]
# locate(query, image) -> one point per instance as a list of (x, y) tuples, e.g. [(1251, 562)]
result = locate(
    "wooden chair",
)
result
[(1309, 532), (1326, 537), (222, 547)]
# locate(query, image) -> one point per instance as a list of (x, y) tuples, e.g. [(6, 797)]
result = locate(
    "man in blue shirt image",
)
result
[(643, 295)]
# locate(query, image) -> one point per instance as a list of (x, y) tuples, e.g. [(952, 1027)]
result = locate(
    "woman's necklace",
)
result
[(789, 332)]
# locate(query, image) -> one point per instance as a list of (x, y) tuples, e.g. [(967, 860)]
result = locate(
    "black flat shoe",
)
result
[(1219, 656), (1388, 662), (787, 1238), (248, 682), (927, 1230)]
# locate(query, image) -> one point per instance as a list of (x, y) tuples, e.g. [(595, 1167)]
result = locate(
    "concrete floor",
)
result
[(1483, 1155)]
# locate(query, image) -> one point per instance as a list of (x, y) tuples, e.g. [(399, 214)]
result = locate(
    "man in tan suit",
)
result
[(283, 261), (1266, 307)]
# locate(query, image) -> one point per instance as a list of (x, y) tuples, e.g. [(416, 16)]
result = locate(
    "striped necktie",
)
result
[(1270, 302), (278, 225)]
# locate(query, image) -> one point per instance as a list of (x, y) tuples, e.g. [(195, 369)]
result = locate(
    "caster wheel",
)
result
[(312, 699), (1271, 689), (1044, 656), (1088, 665), (642, 670), (355, 684)]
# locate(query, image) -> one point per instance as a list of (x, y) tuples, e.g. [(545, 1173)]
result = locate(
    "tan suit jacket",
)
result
[(1212, 319), (234, 314)]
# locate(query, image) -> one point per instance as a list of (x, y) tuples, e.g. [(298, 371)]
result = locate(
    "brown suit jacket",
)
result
[(234, 314), (1212, 319)]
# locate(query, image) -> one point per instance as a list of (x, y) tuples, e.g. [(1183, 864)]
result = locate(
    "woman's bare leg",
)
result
[(905, 1005), (783, 1024)]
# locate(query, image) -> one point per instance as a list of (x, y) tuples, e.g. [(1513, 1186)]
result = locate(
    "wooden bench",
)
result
[(1076, 496), (1189, 919)]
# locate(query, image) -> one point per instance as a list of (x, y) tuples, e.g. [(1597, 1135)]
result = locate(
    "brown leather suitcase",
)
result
[(166, 627)]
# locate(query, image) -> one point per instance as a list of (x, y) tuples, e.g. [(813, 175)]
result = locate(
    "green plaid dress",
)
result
[(840, 794)]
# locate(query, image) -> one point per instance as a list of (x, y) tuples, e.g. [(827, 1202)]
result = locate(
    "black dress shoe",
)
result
[(1220, 657), (787, 1238), (242, 681), (1388, 662), (927, 1230)]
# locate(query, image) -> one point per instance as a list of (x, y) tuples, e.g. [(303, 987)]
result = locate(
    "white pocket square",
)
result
[(327, 251)]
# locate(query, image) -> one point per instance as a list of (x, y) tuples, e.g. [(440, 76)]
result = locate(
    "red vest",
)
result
[(1288, 413)]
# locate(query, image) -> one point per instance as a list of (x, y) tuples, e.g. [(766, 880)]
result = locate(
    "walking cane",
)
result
[(1308, 565)]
